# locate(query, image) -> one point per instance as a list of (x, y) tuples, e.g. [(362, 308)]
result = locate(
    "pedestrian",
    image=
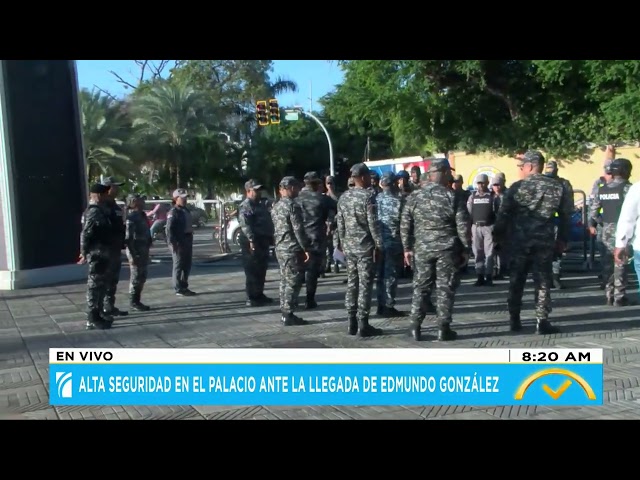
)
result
[(180, 240), (117, 218), (293, 248), (440, 243), (483, 206), (551, 170), (527, 211), (256, 237), (96, 242), (138, 240), (609, 200), (358, 237), (390, 263), (318, 212), (501, 257)]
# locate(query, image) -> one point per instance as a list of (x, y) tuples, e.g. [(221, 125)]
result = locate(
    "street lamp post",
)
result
[(291, 115)]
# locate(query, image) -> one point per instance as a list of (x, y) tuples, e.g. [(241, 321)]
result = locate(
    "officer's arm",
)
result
[(245, 219), (496, 204), (594, 210), (129, 235), (565, 213), (341, 228), (406, 224), (172, 227), (372, 220), (462, 220), (507, 209), (297, 222), (469, 203), (90, 231)]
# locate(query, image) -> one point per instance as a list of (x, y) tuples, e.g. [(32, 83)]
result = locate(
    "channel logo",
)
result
[(64, 384), (559, 391)]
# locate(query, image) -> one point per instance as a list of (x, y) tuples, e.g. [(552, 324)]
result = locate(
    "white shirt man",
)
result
[(628, 227)]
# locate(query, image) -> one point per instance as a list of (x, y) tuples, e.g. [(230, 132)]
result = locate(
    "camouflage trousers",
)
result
[(537, 259), (328, 260), (439, 268), (389, 267), (115, 261), (360, 274), (98, 279), (615, 277), (139, 266), (291, 275)]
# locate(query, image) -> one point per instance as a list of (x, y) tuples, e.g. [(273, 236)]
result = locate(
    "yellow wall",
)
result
[(581, 173)]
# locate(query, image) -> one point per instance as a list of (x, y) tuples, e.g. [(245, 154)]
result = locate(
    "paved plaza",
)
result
[(32, 321)]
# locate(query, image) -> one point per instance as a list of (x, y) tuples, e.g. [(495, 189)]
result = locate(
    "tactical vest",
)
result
[(482, 209), (611, 199)]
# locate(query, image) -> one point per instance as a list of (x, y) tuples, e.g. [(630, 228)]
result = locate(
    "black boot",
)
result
[(96, 321), (415, 330), (380, 310), (556, 282), (514, 322), (114, 311), (353, 325), (289, 320), (366, 330), (391, 312), (479, 281), (488, 281), (445, 334), (311, 301), (136, 304), (544, 327)]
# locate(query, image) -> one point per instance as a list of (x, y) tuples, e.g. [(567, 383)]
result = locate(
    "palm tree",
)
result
[(172, 115), (105, 129)]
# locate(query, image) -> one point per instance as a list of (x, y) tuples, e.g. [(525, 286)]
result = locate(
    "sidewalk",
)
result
[(32, 321)]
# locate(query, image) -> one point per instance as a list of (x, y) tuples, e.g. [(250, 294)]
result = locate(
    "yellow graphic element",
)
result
[(487, 170), (556, 394), (522, 389)]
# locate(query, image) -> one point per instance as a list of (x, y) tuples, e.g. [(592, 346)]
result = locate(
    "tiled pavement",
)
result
[(31, 321)]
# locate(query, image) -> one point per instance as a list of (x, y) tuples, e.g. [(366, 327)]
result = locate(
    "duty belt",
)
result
[(483, 224)]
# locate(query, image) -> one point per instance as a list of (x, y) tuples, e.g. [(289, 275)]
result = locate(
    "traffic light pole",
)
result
[(317, 120)]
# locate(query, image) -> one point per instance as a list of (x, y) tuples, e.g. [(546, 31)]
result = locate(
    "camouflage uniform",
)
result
[(318, 212), (439, 220), (330, 246), (256, 227), (600, 182), (95, 246), (138, 240), (528, 211), (389, 204), (605, 209), (358, 236), (116, 215), (291, 243)]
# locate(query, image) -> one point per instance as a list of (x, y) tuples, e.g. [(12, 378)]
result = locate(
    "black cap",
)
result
[(312, 177), (287, 182), (388, 178), (359, 170), (620, 166), (252, 185), (98, 188), (439, 165), (110, 181), (532, 156), (402, 174)]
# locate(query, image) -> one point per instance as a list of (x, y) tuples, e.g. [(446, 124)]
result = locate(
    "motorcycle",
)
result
[(160, 235)]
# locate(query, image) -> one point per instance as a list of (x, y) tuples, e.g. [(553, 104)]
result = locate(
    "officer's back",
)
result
[(353, 206), (316, 207), (389, 203)]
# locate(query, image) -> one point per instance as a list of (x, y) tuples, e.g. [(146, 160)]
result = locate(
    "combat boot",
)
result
[(544, 327), (445, 334), (380, 310), (479, 281), (289, 320), (353, 325), (488, 281), (366, 330), (415, 330), (96, 321), (136, 304), (115, 312), (515, 325), (311, 302), (556, 282), (391, 312)]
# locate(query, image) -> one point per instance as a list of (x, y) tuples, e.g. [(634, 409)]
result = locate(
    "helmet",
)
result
[(620, 167)]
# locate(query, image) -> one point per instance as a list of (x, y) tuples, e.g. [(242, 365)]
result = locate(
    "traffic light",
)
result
[(274, 112), (261, 113)]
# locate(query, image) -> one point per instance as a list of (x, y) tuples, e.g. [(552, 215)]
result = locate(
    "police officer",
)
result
[(255, 238), (116, 214), (330, 186), (551, 170), (375, 182), (528, 211), (501, 257), (318, 214), (292, 248), (482, 207), (390, 263), (358, 237), (440, 244), (404, 183), (96, 244), (415, 177), (138, 240), (457, 186), (180, 240), (602, 180), (608, 200)]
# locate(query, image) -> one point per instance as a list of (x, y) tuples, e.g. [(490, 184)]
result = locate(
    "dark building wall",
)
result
[(47, 159), (3, 243)]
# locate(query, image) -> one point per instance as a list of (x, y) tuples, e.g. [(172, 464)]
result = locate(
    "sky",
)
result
[(315, 78)]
